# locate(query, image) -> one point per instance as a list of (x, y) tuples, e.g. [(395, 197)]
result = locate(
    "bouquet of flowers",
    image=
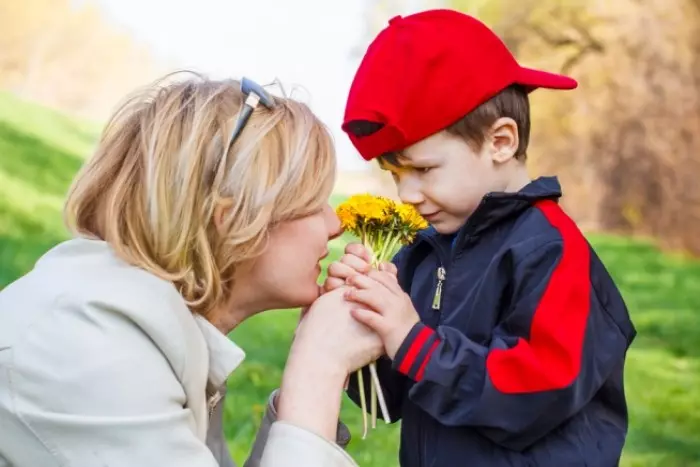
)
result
[(382, 225)]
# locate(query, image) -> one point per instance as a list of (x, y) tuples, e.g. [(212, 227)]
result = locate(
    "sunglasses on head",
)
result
[(254, 96)]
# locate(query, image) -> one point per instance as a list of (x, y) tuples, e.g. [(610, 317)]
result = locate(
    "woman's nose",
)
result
[(335, 228)]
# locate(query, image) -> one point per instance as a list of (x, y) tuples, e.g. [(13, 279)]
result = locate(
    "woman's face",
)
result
[(287, 272)]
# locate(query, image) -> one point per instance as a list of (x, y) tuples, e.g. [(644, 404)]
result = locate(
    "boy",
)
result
[(505, 336)]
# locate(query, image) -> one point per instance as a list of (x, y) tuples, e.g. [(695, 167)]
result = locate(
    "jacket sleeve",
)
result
[(392, 382), (549, 355), (277, 441), (290, 446)]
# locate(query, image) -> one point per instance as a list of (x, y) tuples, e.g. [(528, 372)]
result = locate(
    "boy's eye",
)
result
[(422, 170)]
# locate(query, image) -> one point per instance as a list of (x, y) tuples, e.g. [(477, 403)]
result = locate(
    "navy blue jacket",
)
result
[(519, 356)]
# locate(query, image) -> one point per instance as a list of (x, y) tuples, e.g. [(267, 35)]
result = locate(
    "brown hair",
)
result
[(164, 164), (512, 102)]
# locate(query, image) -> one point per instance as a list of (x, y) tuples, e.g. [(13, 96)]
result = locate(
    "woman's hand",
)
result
[(329, 332), (356, 260), (383, 307), (329, 345)]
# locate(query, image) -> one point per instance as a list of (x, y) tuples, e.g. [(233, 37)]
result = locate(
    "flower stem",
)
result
[(380, 393), (363, 402), (378, 247), (373, 399)]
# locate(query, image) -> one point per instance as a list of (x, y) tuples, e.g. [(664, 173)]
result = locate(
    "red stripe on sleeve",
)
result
[(421, 370), (414, 349), (551, 358)]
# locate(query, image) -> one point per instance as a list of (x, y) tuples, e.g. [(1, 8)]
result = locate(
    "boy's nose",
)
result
[(410, 192)]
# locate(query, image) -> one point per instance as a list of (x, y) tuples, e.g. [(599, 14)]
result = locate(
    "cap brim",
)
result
[(534, 79)]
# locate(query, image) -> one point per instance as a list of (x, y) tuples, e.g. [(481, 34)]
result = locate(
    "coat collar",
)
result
[(498, 206), (224, 355)]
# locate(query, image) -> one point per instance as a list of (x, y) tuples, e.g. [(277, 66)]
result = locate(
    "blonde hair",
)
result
[(163, 165)]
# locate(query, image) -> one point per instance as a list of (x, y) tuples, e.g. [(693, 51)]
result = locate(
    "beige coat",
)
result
[(103, 364)]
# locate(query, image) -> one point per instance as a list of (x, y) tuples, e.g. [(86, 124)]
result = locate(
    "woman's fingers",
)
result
[(360, 251), (355, 262), (375, 279), (389, 267), (342, 270), (347, 266)]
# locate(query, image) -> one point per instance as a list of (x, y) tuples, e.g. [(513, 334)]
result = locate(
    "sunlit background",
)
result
[(626, 145), (309, 44)]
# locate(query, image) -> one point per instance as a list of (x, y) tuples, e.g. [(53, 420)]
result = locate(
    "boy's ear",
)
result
[(504, 139)]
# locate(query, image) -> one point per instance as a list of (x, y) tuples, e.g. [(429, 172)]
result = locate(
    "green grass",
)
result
[(40, 150)]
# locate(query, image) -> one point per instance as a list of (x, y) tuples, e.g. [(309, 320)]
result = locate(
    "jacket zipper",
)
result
[(442, 277), (441, 273)]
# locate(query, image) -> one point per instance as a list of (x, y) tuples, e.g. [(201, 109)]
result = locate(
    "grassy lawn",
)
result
[(40, 151)]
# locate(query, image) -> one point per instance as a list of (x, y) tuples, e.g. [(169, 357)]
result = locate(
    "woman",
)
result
[(204, 204)]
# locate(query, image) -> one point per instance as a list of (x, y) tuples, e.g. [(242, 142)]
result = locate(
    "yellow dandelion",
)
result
[(370, 208), (347, 216), (382, 225), (410, 217)]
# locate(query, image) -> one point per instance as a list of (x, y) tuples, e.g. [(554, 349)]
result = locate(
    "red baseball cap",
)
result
[(425, 71)]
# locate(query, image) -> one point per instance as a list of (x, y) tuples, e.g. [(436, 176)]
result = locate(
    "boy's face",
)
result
[(446, 179)]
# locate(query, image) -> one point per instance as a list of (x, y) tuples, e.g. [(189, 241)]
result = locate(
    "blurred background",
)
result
[(625, 144)]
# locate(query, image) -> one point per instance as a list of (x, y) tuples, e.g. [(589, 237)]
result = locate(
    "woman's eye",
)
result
[(423, 170)]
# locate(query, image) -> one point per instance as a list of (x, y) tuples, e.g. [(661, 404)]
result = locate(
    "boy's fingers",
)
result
[(358, 264), (369, 318), (333, 283), (341, 270), (370, 298), (375, 278), (364, 281), (387, 279), (359, 250), (389, 267)]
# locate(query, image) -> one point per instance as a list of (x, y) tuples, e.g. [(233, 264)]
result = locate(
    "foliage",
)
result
[(68, 55)]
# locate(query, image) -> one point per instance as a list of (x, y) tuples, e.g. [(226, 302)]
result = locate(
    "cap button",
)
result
[(395, 19)]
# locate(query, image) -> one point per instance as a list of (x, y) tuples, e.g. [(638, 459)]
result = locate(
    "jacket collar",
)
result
[(496, 207), (224, 355)]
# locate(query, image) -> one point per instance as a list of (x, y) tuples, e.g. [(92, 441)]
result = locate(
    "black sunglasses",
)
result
[(254, 96)]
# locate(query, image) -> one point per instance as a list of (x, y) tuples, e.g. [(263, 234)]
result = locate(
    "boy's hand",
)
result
[(391, 313), (356, 260)]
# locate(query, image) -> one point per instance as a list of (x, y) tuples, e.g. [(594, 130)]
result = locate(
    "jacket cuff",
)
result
[(291, 446), (415, 351), (342, 438)]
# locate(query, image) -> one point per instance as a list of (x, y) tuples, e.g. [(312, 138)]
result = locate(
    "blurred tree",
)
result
[(68, 55), (626, 143)]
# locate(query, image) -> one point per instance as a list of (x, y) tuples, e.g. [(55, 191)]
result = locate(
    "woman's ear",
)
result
[(220, 212), (504, 139)]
